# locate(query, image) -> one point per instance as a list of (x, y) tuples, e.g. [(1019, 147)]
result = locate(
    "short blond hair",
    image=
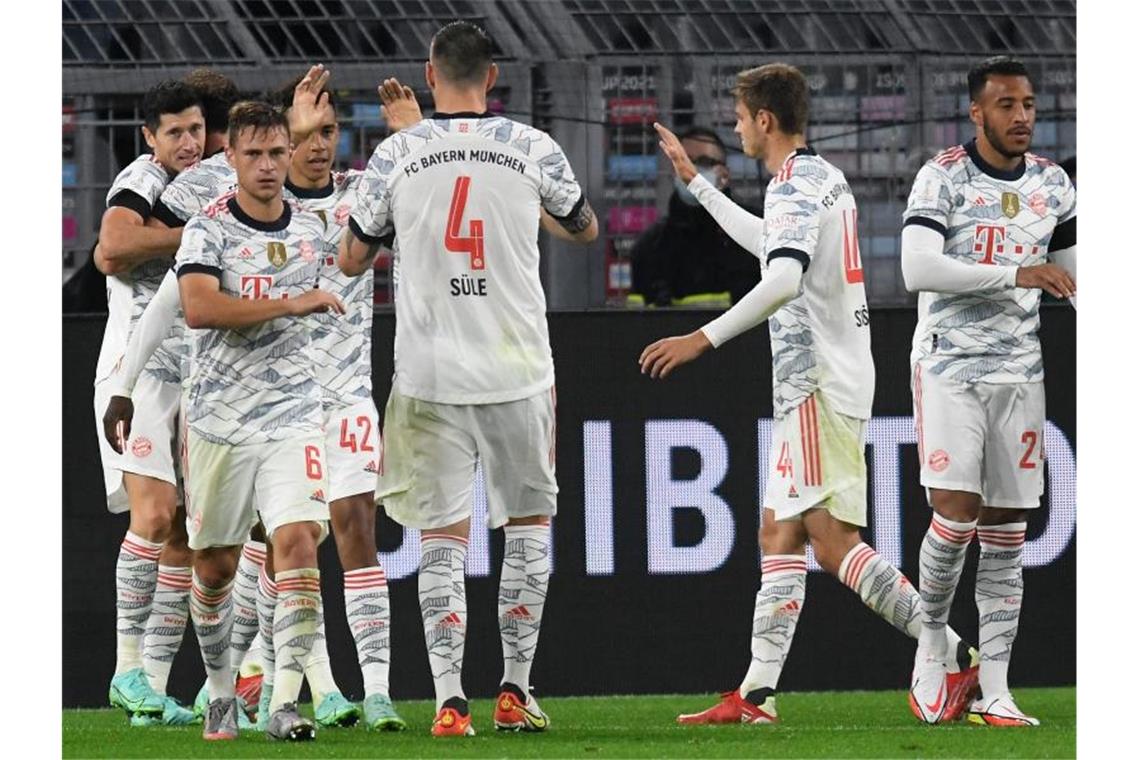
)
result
[(779, 88)]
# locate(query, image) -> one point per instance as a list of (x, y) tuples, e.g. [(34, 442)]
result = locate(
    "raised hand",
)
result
[(675, 152), (661, 358), (398, 105), (1049, 277), (309, 103)]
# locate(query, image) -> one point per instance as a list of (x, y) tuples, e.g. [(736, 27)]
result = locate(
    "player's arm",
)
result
[(206, 306), (369, 223), (204, 303), (580, 226), (781, 284), (152, 328), (1063, 243), (743, 227), (357, 250), (925, 268), (125, 240), (567, 214)]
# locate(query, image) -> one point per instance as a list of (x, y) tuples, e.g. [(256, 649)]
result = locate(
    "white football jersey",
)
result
[(463, 193), (342, 343), (138, 188), (821, 339), (988, 216), (259, 383), (194, 189)]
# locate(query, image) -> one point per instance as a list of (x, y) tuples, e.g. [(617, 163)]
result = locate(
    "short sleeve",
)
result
[(138, 186), (560, 192), (1065, 233), (179, 202), (371, 217), (930, 200), (792, 214), (1068, 197), (201, 248)]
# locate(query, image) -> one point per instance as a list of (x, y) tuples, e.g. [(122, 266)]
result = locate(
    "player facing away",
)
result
[(464, 192), (988, 226), (823, 382), (247, 267), (143, 476)]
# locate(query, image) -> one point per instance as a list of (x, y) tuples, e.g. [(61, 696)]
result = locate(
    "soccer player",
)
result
[(254, 592), (988, 226), (474, 380), (190, 193), (246, 270), (343, 352), (823, 381), (143, 476)]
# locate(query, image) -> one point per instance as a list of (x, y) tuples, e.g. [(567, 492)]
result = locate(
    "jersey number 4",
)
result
[(453, 240)]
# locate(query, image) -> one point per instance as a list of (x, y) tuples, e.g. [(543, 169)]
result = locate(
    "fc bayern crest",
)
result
[(276, 254), (1010, 204)]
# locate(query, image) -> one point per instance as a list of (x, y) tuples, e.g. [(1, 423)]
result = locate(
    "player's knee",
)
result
[(999, 516), (152, 520), (295, 545), (354, 528), (215, 567), (959, 506), (828, 553), (776, 541), (176, 552)]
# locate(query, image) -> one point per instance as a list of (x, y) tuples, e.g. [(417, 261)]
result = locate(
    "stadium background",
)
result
[(646, 469)]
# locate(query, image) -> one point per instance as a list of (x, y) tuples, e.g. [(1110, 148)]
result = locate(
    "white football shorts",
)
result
[(984, 438), (427, 468), (229, 487), (152, 449), (352, 445), (817, 460)]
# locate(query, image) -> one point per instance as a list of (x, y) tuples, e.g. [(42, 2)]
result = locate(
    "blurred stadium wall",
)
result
[(888, 80)]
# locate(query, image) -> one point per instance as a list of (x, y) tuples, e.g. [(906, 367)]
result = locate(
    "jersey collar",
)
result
[(804, 151), (275, 226), (1008, 175), (462, 115), (310, 192)]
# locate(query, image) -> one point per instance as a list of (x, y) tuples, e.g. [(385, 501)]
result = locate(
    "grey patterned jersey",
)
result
[(138, 188), (988, 216), (463, 193), (258, 383), (194, 189), (342, 344), (186, 195), (821, 339)]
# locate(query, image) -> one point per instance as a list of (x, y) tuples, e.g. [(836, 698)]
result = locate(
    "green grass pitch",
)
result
[(825, 724)]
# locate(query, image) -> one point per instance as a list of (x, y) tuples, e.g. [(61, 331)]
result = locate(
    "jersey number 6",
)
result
[(452, 239)]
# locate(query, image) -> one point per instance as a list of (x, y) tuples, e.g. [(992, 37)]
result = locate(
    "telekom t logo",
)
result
[(988, 239), (256, 286)]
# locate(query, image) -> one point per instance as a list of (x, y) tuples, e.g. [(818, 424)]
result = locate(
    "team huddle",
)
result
[(234, 387)]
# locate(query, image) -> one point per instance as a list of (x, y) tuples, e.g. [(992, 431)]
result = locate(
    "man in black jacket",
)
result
[(685, 258)]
